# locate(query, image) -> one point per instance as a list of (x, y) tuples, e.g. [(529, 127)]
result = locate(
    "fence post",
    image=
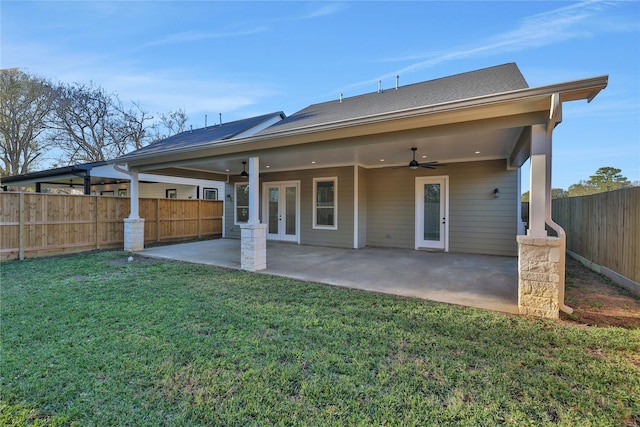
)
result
[(21, 226), (158, 220), (199, 219), (97, 222)]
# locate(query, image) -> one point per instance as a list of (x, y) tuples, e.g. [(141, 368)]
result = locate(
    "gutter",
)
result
[(555, 118), (119, 168)]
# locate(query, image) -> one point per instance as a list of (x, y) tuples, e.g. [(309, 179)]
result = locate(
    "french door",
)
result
[(281, 209), (432, 210)]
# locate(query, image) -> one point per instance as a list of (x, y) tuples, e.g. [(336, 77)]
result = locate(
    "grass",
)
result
[(93, 340)]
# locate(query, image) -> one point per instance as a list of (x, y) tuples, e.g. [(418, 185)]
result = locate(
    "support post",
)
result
[(538, 181), (87, 183), (253, 244), (540, 257), (134, 225)]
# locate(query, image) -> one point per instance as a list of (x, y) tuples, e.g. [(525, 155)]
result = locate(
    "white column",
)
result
[(253, 237), (254, 190), (538, 181), (134, 225), (134, 190)]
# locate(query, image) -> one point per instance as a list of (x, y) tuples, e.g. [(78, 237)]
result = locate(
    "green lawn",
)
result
[(94, 340)]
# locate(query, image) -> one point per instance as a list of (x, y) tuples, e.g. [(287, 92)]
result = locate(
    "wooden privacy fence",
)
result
[(33, 224), (604, 228)]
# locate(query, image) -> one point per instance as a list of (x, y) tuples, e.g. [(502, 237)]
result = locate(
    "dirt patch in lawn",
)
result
[(597, 300)]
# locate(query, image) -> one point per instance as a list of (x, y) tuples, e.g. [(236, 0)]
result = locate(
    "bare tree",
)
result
[(25, 104), (170, 124), (135, 123), (87, 124)]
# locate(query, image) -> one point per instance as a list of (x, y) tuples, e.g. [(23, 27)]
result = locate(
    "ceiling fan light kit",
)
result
[(244, 173), (414, 164)]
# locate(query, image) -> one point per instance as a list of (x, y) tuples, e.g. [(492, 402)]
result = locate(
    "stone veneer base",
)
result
[(539, 276), (133, 234), (253, 247)]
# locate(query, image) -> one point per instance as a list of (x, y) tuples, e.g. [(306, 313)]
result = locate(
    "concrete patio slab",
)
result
[(483, 281)]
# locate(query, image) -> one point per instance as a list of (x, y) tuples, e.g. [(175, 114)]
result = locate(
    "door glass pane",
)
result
[(432, 212), (274, 194), (290, 226)]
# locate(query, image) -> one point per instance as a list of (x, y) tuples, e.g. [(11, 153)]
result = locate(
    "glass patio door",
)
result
[(281, 210), (431, 213)]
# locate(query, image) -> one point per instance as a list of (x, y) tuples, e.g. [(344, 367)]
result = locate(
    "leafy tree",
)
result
[(556, 193), (605, 179), (25, 105)]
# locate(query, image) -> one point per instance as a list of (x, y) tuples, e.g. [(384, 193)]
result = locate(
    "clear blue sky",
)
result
[(248, 58)]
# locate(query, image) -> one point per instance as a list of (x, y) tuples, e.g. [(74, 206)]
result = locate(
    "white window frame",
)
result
[(315, 225), (209, 190), (235, 203)]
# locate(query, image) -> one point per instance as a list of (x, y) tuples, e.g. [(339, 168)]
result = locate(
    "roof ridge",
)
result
[(343, 99)]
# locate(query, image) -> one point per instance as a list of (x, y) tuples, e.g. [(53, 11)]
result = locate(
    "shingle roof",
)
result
[(501, 78), (209, 134)]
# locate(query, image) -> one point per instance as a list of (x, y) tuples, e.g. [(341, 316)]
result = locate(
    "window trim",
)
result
[(314, 224), (235, 203), (211, 190)]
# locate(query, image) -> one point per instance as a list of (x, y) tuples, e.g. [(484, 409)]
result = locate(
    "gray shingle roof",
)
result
[(487, 81), (214, 133)]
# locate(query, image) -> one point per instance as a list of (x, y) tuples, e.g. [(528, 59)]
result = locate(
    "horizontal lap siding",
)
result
[(342, 237), (391, 207), (478, 222)]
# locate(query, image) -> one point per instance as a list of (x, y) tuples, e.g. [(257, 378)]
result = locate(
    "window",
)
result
[(325, 203), (242, 203), (210, 194), (171, 193)]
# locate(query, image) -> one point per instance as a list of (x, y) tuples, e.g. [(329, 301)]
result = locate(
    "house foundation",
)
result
[(539, 276), (253, 247), (133, 234)]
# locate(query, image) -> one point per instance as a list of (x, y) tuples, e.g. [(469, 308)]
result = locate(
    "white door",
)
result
[(432, 228), (281, 210)]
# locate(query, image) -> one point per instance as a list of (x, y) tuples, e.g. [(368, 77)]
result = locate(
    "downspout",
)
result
[(555, 117)]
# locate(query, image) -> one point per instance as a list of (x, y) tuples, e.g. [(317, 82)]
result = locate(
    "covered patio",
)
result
[(482, 281)]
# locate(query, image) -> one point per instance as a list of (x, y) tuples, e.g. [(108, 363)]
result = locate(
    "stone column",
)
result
[(253, 247), (134, 225), (133, 234), (253, 235), (539, 276)]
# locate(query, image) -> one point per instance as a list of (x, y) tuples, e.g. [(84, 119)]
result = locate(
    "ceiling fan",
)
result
[(414, 164), (244, 173)]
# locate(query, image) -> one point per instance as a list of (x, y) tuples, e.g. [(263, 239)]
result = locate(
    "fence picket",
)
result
[(604, 228), (34, 224)]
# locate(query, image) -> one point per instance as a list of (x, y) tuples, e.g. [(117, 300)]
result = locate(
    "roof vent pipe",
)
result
[(220, 119), (191, 130), (379, 86), (397, 81), (341, 97), (205, 122)]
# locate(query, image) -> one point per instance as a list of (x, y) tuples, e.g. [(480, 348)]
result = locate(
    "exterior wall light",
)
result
[(496, 193)]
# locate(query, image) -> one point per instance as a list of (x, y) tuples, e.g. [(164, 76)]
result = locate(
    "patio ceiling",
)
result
[(487, 145)]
